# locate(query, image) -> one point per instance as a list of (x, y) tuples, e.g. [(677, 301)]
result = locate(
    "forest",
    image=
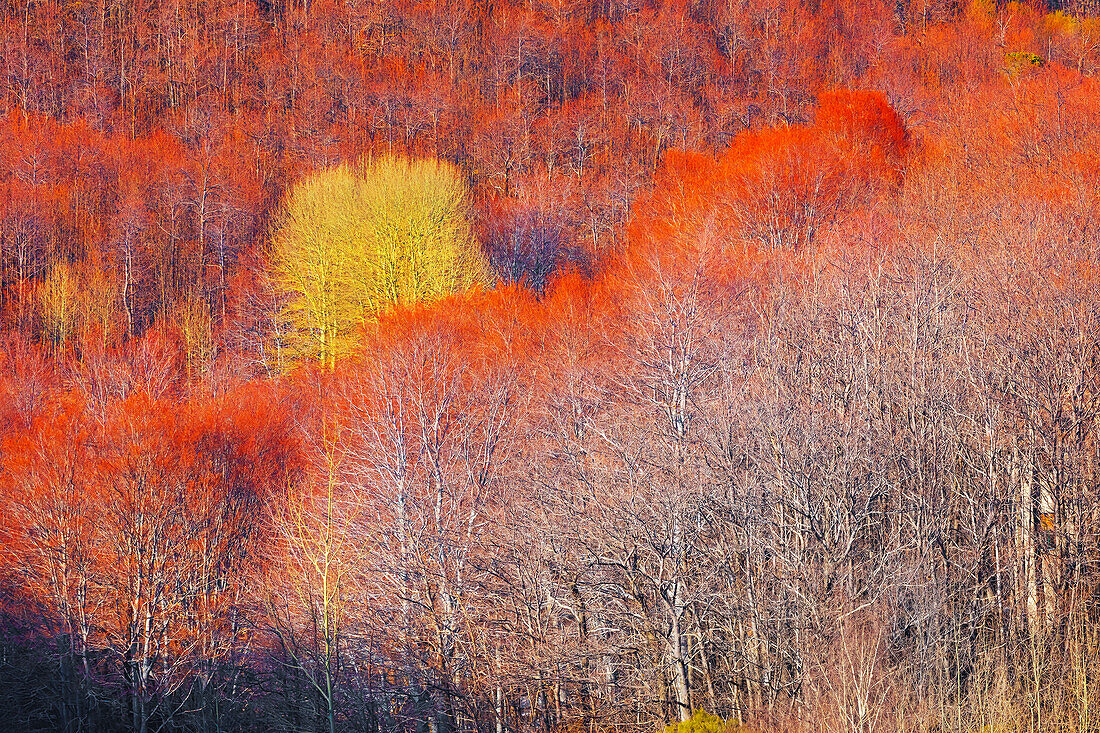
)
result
[(550, 366)]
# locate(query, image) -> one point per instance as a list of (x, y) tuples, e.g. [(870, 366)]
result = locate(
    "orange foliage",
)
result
[(651, 180)]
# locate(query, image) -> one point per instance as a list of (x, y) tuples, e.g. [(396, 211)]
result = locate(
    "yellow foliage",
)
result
[(196, 331), (703, 722), (100, 300), (58, 296), (351, 241), (77, 303), (1059, 22), (1017, 61)]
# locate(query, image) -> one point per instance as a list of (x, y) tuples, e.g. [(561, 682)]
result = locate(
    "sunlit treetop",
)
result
[(350, 241)]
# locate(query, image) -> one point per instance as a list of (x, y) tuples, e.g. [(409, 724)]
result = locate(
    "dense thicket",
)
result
[(783, 403)]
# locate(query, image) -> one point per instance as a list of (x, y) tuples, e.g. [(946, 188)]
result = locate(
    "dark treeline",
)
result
[(783, 404)]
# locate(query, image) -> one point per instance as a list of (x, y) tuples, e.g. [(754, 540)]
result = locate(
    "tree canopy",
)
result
[(352, 240), (784, 404)]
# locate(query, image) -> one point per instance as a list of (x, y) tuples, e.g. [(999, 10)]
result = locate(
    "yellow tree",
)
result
[(351, 241), (58, 306)]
